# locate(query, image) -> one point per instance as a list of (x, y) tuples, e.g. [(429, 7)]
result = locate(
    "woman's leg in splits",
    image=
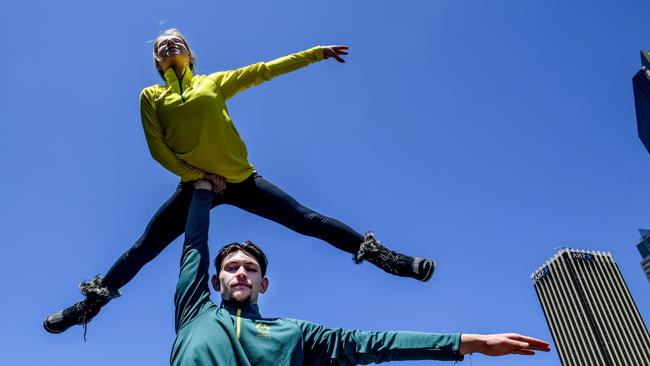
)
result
[(263, 198), (167, 224)]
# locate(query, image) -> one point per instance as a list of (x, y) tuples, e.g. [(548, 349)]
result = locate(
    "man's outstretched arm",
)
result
[(325, 345)]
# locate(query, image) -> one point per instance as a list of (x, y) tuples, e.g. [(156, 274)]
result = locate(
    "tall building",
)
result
[(641, 86), (588, 307), (644, 249)]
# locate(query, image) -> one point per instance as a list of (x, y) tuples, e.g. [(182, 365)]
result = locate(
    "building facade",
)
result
[(644, 250), (641, 87), (590, 311)]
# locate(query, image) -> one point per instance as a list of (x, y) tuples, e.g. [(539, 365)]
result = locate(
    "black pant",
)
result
[(255, 195)]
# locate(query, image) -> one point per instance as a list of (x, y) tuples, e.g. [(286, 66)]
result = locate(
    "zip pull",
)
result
[(180, 85), (238, 322)]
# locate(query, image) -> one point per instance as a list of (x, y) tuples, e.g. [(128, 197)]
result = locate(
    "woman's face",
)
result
[(171, 49)]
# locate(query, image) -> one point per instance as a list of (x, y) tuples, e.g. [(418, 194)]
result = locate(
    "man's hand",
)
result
[(335, 51), (218, 182), (501, 344)]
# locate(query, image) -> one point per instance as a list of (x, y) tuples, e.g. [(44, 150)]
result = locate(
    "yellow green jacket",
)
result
[(187, 124)]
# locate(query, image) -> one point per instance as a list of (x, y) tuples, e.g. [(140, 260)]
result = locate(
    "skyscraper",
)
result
[(644, 249), (588, 307), (641, 86)]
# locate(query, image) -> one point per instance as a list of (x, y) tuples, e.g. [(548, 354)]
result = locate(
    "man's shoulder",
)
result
[(207, 312), (303, 325)]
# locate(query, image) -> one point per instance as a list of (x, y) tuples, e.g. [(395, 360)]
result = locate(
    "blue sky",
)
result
[(482, 134)]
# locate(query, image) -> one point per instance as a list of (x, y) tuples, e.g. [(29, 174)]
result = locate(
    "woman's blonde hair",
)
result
[(172, 32)]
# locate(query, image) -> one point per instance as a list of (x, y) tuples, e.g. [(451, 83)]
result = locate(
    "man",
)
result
[(236, 334)]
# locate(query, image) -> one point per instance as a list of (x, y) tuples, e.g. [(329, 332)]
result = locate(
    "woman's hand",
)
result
[(218, 182), (335, 51)]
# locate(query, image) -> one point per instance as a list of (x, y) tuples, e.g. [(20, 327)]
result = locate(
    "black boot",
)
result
[(84, 311), (392, 262)]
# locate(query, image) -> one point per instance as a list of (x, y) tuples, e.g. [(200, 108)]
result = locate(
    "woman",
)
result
[(190, 133)]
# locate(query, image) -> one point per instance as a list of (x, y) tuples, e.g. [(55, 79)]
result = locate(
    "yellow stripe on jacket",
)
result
[(238, 323)]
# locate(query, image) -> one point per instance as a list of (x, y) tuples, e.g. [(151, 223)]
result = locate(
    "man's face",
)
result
[(240, 278)]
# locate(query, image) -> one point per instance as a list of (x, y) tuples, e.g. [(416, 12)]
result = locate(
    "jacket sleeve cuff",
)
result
[(456, 348), (318, 52), (190, 177)]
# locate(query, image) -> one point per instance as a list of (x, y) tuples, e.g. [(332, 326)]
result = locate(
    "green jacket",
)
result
[(230, 335)]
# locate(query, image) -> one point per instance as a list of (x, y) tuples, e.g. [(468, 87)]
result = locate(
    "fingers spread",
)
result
[(334, 51)]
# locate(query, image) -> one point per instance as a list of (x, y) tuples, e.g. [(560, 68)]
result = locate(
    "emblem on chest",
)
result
[(263, 330)]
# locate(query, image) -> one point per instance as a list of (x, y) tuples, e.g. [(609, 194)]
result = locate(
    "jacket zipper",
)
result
[(180, 85), (238, 322)]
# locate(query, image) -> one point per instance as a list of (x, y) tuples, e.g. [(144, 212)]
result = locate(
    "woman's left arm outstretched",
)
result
[(233, 81)]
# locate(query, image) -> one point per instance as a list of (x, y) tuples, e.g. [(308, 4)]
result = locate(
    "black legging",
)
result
[(255, 195)]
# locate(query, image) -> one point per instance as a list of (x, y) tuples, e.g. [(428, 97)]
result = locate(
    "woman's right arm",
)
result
[(158, 148)]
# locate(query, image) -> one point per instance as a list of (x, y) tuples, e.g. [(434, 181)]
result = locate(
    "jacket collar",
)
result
[(172, 80), (245, 310)]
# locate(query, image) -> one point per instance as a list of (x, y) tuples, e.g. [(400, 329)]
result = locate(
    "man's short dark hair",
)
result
[(247, 247)]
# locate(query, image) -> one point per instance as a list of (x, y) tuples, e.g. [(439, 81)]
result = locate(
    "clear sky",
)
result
[(483, 134)]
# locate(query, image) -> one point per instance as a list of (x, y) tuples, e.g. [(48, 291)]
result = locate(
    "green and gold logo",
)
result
[(263, 330)]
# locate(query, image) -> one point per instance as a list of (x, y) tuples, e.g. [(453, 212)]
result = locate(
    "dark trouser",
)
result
[(255, 195)]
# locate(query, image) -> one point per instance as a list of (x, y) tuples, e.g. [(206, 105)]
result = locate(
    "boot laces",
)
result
[(86, 311), (372, 249), (97, 295)]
